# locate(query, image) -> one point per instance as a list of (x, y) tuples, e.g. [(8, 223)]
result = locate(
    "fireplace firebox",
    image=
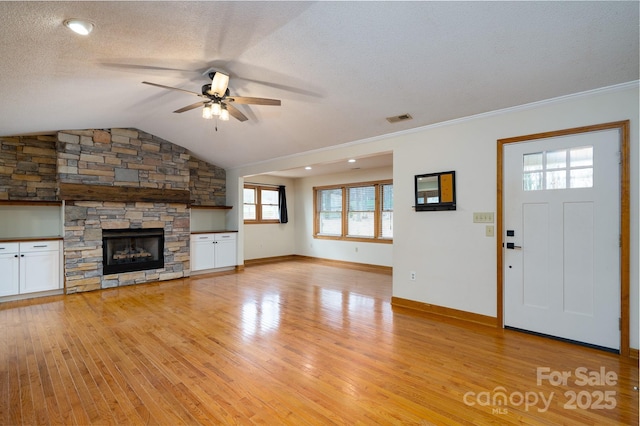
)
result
[(128, 250)]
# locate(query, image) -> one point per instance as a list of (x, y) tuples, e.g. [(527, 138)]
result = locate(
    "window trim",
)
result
[(377, 238), (258, 204)]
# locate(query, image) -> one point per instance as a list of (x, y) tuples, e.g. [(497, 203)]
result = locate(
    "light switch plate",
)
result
[(483, 217)]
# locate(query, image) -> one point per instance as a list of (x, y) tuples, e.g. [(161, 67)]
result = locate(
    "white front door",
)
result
[(562, 237)]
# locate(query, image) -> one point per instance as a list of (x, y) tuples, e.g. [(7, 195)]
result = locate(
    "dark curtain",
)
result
[(282, 203)]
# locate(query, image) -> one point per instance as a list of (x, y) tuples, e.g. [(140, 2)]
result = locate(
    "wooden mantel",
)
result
[(82, 192)]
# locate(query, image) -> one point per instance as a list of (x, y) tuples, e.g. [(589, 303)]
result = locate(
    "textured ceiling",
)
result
[(339, 68)]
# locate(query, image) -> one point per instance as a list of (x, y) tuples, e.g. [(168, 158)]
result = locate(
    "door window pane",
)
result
[(582, 157), (581, 178), (556, 179), (552, 169), (557, 159), (532, 162), (532, 181)]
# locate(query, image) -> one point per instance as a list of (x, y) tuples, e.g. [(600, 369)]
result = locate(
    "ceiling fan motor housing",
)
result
[(206, 90)]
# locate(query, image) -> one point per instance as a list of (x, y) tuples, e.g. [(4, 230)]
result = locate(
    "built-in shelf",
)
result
[(27, 239), (29, 203), (212, 207)]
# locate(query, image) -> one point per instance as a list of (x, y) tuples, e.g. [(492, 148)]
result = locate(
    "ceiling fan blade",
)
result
[(190, 107), (235, 113), (142, 67), (253, 101), (173, 88)]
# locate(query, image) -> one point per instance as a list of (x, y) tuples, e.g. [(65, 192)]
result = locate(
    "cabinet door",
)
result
[(225, 253), (9, 274), (202, 255), (39, 271)]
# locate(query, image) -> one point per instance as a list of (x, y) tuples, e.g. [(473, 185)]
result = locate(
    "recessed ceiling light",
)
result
[(308, 168), (79, 26), (352, 160)]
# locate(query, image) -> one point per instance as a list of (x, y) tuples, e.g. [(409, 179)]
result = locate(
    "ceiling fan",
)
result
[(217, 100)]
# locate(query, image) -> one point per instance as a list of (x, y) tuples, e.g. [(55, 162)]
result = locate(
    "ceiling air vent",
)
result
[(399, 118)]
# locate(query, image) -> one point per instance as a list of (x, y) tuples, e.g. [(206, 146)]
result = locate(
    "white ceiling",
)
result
[(339, 68)]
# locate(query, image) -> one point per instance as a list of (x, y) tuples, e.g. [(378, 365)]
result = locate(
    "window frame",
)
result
[(258, 197), (377, 228)]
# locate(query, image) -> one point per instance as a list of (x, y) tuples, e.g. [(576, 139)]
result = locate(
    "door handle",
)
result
[(512, 246)]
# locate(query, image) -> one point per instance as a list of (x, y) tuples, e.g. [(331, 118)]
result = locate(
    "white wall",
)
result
[(272, 239), (358, 252), (454, 261), (30, 221), (207, 220)]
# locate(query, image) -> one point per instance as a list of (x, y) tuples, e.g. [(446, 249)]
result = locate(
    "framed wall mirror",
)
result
[(435, 191)]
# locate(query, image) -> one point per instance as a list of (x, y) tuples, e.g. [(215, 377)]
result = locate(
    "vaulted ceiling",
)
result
[(339, 68)]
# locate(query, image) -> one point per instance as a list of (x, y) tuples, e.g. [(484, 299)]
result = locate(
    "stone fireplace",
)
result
[(110, 179), (131, 250), (124, 179)]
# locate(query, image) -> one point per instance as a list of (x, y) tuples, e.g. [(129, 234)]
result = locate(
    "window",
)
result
[(330, 212), (260, 204), (359, 211), (561, 169)]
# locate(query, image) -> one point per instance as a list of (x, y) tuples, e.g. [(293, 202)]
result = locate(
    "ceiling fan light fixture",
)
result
[(224, 114), (79, 26), (207, 112), (219, 84), (216, 109)]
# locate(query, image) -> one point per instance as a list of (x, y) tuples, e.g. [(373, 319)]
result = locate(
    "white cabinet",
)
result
[(202, 252), (29, 267), (225, 253), (215, 250), (9, 269), (39, 266)]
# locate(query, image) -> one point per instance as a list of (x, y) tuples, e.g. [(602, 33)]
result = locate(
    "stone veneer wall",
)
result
[(207, 183), (121, 157), (84, 222), (28, 168)]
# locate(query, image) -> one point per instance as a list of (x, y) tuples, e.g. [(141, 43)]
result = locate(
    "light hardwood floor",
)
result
[(293, 343)]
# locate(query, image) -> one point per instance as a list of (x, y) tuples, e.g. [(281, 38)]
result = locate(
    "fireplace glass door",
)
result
[(128, 250)]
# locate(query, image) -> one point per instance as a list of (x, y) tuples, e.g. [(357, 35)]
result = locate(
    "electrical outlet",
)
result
[(412, 275), (489, 231)]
